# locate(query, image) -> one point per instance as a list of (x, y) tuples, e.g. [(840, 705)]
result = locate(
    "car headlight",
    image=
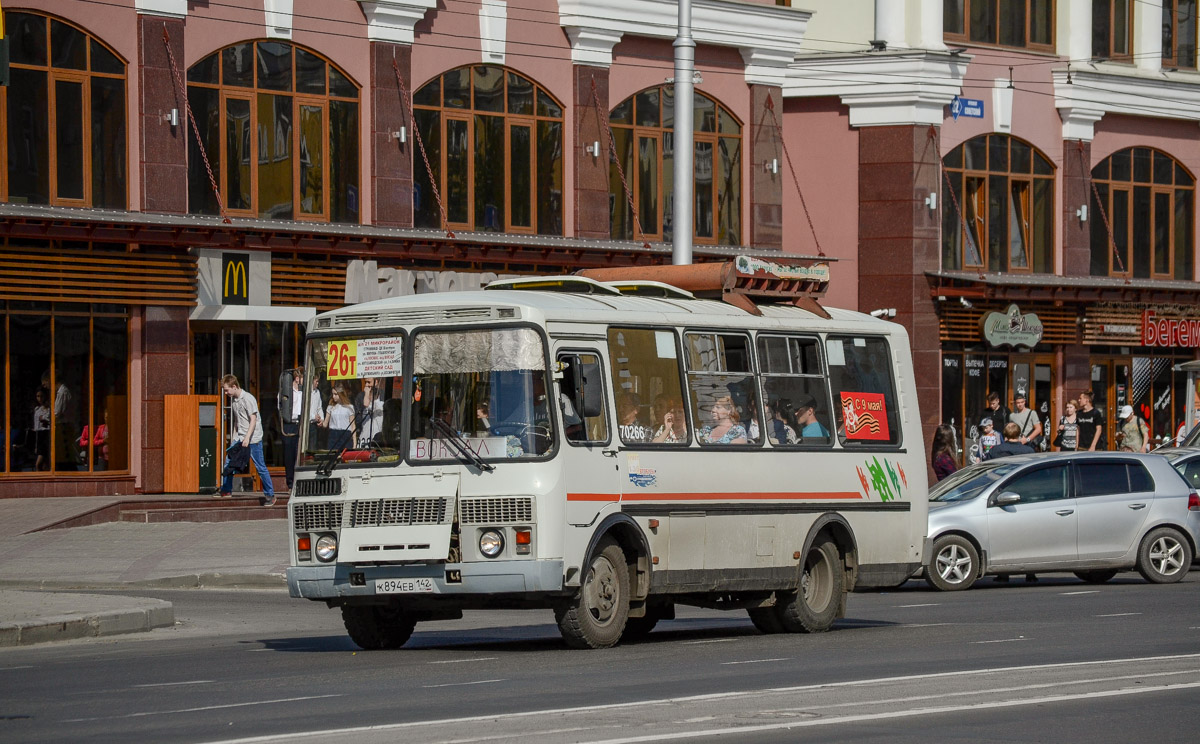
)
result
[(326, 548), (491, 543)]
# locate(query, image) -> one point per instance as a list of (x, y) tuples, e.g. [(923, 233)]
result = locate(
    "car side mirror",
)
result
[(1008, 498)]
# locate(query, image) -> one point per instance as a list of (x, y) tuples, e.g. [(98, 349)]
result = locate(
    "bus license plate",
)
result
[(404, 586)]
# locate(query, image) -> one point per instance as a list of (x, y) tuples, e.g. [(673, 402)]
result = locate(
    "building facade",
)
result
[(185, 185)]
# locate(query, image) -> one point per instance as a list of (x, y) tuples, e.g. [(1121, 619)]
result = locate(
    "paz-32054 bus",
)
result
[(607, 450)]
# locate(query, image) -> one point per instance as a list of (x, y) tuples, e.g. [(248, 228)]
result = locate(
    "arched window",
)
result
[(494, 139), (999, 215), (641, 128), (280, 128), (1149, 201), (64, 116)]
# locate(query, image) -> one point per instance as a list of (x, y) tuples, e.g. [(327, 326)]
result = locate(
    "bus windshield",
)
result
[(488, 387), (355, 399)]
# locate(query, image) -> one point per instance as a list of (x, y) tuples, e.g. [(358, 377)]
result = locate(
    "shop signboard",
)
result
[(1170, 332), (1012, 328)]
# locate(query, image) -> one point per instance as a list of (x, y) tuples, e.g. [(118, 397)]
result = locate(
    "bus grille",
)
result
[(318, 487), (379, 512), (497, 510), (322, 516)]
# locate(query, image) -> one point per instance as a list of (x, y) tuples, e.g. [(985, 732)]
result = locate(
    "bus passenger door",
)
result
[(589, 452)]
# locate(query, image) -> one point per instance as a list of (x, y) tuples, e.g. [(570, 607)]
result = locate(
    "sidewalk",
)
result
[(115, 555)]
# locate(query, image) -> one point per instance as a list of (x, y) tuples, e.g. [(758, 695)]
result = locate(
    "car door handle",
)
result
[(1137, 506), (1064, 512)]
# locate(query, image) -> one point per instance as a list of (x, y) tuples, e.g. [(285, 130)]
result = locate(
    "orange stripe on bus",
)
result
[(593, 497)]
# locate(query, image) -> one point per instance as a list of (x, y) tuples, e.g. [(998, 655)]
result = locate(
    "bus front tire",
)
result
[(378, 627), (596, 615), (814, 606)]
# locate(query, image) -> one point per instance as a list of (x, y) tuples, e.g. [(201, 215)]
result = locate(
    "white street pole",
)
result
[(685, 66)]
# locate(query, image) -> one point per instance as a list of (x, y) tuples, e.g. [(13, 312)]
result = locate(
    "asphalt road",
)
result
[(1059, 661)]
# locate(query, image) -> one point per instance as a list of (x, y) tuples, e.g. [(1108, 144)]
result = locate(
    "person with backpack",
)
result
[(1133, 434)]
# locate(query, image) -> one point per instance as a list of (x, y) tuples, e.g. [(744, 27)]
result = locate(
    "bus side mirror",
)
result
[(589, 386)]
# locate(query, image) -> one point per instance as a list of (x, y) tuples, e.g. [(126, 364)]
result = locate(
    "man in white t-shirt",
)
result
[(249, 435)]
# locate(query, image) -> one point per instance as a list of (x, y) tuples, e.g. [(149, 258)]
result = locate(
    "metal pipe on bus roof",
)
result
[(685, 67)]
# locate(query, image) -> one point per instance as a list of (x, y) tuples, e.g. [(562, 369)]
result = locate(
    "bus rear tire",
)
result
[(814, 606), (595, 616), (378, 627)]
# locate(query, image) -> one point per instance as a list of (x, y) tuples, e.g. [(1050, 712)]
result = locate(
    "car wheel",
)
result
[(954, 566), (814, 606), (1096, 577), (1164, 557), (595, 617)]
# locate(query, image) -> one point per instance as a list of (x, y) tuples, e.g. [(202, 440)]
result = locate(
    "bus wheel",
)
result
[(814, 606), (595, 617), (766, 619), (376, 627)]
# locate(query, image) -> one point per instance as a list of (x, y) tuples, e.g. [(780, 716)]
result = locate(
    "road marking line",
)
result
[(295, 736), (1004, 640), (460, 661), (1072, 594), (740, 730), (751, 661), (174, 684), (462, 684), (928, 604), (711, 640), (1120, 614), (924, 625), (202, 708), (9, 669)]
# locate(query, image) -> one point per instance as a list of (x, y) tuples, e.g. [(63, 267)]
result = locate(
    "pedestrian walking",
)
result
[(249, 436), (1068, 429), (1133, 435), (1091, 423), (942, 450)]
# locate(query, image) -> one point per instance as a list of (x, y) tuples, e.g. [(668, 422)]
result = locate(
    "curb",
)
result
[(151, 614), (185, 581)]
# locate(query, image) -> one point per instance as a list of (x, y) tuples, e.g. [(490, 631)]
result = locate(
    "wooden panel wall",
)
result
[(80, 275), (181, 441), (319, 284)]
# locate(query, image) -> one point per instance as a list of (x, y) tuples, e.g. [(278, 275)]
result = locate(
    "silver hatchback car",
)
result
[(1091, 513)]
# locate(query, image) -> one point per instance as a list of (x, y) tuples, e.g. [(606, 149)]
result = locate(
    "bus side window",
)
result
[(582, 399), (864, 394), (794, 391), (644, 364), (724, 396)]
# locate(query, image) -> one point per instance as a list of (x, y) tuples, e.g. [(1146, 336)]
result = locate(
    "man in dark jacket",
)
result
[(1011, 444)]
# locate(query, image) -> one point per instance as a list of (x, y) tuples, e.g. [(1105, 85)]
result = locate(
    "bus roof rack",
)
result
[(743, 282), (574, 284)]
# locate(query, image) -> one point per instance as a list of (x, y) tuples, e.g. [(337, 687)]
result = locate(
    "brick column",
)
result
[(163, 147), (592, 217), (164, 371), (391, 162), (765, 145), (1077, 191), (899, 236)]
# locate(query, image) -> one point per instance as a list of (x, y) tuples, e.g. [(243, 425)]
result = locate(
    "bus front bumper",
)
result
[(495, 577)]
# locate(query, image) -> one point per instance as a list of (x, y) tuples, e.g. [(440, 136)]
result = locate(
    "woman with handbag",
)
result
[(1068, 430)]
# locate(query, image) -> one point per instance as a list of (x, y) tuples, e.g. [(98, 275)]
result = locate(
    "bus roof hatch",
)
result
[(742, 282)]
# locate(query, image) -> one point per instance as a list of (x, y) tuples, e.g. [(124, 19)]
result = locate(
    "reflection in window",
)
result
[(864, 396), (1111, 24), (1179, 33), (1046, 484), (280, 128), (645, 373), (794, 391), (494, 140), (1147, 199), (723, 397), (582, 401), (58, 73), (641, 129), (999, 206), (1012, 23)]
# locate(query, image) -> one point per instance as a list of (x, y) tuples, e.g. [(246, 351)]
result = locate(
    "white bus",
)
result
[(606, 450)]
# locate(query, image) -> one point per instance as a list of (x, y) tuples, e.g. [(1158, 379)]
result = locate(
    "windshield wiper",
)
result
[(459, 444)]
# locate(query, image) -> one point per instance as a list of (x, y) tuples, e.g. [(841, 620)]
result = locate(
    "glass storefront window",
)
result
[(67, 388)]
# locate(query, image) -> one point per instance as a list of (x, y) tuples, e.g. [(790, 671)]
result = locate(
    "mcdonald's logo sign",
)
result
[(235, 281)]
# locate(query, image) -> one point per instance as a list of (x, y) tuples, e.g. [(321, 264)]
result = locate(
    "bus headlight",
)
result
[(326, 548), (491, 543)]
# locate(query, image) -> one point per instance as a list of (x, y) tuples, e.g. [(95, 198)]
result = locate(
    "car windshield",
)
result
[(355, 399), (969, 482), (489, 386)]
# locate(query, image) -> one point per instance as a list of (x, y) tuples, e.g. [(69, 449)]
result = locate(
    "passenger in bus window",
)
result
[(673, 428), (806, 417), (725, 427), (632, 431), (781, 427)]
